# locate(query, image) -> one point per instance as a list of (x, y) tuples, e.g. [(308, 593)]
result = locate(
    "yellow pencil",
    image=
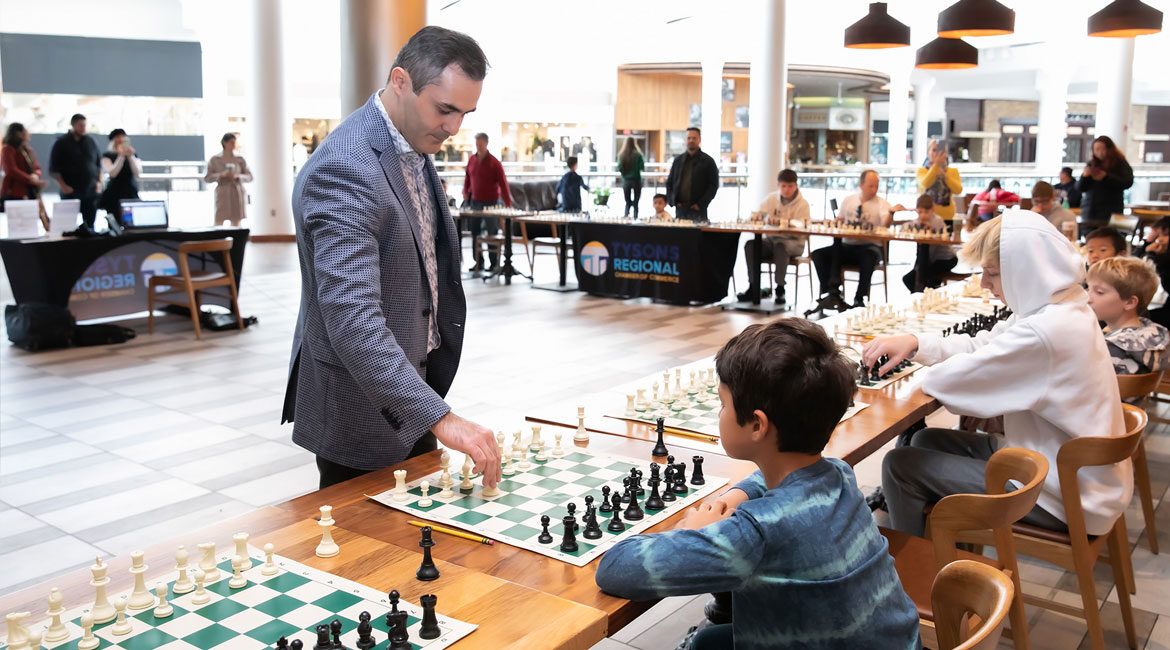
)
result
[(454, 533), (697, 436)]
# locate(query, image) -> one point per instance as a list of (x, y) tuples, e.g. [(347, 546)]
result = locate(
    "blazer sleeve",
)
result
[(340, 218)]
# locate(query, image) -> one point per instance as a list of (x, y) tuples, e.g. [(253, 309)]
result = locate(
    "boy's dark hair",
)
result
[(1162, 224), (658, 196), (116, 132), (571, 161), (77, 117), (994, 185), (1066, 170), (432, 49), (1115, 237), (793, 372), (786, 176), (924, 203), (695, 129)]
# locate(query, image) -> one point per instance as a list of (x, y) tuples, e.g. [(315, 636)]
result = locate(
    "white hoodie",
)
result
[(1046, 369)]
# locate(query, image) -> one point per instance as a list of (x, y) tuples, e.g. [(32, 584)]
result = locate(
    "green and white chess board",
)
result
[(291, 604), (909, 324), (961, 310), (546, 488)]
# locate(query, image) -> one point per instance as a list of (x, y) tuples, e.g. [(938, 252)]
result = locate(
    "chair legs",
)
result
[(194, 308), (1118, 550), (1083, 562), (1142, 477), (150, 307)]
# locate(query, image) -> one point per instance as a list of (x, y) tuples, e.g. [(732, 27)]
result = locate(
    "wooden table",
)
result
[(505, 218)]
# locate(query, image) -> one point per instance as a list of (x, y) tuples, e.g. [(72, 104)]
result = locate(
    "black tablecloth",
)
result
[(674, 264), (105, 276)]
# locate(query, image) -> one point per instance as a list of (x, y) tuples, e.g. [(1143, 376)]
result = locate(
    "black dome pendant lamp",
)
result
[(878, 30), (976, 18)]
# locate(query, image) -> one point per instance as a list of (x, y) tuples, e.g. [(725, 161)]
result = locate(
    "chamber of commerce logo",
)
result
[(157, 264), (594, 258)]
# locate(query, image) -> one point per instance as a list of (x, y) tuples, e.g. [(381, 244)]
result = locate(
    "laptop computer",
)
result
[(144, 215)]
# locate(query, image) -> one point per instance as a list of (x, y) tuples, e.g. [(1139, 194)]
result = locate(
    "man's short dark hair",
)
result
[(77, 117), (792, 371), (696, 130), (864, 173), (227, 137), (1162, 225), (994, 184), (658, 196), (116, 132), (432, 49), (1115, 237), (1066, 170), (571, 161), (786, 176)]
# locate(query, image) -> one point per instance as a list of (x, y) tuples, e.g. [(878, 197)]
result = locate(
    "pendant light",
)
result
[(976, 18), (1125, 19), (878, 30), (947, 54)]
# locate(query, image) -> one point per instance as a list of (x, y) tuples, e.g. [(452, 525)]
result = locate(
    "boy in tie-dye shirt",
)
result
[(794, 542)]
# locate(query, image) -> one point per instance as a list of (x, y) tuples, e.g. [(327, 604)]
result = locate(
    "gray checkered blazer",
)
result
[(361, 386)]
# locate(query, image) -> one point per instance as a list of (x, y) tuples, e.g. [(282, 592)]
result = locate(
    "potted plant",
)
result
[(600, 195)]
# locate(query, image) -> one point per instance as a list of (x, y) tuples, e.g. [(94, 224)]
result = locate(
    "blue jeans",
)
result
[(487, 226), (714, 637)]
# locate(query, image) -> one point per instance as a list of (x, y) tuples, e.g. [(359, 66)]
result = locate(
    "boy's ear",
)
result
[(760, 425), (1130, 303)]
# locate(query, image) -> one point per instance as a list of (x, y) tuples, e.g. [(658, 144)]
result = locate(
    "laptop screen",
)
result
[(144, 214)]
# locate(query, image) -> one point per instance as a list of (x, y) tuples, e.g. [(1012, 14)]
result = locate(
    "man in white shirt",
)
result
[(863, 208)]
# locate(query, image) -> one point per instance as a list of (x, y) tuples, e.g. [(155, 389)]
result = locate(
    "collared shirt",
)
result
[(855, 212), (414, 171)]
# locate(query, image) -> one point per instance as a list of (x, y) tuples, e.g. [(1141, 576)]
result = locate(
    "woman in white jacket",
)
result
[(1046, 369)]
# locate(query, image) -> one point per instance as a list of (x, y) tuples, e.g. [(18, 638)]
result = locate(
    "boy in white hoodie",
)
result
[(1046, 369)]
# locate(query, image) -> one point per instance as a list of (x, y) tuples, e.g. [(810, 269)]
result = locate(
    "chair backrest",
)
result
[(997, 510), (1131, 386), (221, 246), (1126, 225), (833, 207), (964, 588)]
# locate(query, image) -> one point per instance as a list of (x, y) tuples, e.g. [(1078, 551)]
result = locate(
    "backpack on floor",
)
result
[(39, 326), (102, 334)]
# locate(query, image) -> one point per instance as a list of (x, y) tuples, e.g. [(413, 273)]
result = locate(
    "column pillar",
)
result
[(372, 32), (1114, 90), (270, 126), (1052, 121), (767, 105), (922, 98), (899, 100), (712, 122)]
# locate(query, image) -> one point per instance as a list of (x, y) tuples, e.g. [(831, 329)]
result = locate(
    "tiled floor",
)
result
[(104, 450)]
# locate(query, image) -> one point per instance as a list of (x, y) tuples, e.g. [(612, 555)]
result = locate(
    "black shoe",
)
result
[(473, 269), (877, 500), (859, 302)]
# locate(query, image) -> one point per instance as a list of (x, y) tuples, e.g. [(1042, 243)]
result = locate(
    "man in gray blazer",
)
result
[(382, 313)]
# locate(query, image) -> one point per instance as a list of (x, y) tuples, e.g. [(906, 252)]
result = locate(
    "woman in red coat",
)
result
[(22, 172)]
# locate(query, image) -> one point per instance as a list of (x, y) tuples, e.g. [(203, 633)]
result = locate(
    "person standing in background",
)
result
[(693, 180), (1103, 183), (630, 166), (229, 171), (122, 168), (75, 163), (939, 180), (1067, 193), (484, 184), (22, 172)]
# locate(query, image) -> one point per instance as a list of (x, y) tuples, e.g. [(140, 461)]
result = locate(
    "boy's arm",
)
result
[(933, 348), (720, 557), (1009, 374)]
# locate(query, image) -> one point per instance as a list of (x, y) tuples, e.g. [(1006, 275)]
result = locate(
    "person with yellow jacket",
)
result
[(939, 180)]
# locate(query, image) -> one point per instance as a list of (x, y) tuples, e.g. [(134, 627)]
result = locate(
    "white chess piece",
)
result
[(327, 547), (535, 443), (492, 491), (399, 492), (508, 469), (524, 464), (425, 501), (678, 380), (183, 584), (238, 580), (558, 451), (88, 640), (207, 562), (446, 492), (466, 483), (540, 455), (269, 568), (103, 611), (640, 402), (18, 635), (241, 540), (164, 609), (56, 630), (201, 595), (140, 597), (122, 625), (517, 443), (665, 384), (581, 434), (630, 405)]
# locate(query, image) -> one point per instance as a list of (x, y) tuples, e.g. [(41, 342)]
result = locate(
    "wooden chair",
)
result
[(803, 260), (533, 244), (191, 283), (1126, 225), (1076, 550), (885, 283), (1163, 389), (917, 560), (965, 589), (1141, 386)]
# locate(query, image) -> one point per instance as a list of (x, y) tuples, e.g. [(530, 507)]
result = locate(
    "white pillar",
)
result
[(1052, 121), (767, 106), (712, 122), (1114, 90), (270, 126), (922, 90), (899, 100)]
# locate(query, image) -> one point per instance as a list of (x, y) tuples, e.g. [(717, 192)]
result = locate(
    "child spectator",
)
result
[(660, 211), (939, 260), (570, 186), (1120, 289), (1104, 243)]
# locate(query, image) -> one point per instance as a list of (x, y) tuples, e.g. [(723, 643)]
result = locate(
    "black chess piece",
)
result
[(569, 540), (626, 491), (282, 643), (697, 471), (605, 507), (335, 629), (572, 508), (365, 632), (615, 525), (633, 510), (654, 501), (296, 644), (592, 528), (394, 596), (863, 375), (638, 489), (430, 623), (680, 479), (660, 449), (588, 506), (323, 641), (668, 485), (427, 571), (545, 536), (399, 636)]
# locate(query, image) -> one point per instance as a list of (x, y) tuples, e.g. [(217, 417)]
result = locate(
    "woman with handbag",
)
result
[(22, 172)]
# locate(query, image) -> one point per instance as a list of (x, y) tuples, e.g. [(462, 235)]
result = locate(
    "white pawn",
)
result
[(524, 464), (140, 597), (327, 547), (207, 562), (238, 580), (269, 568), (558, 451), (201, 595), (508, 470), (164, 609), (399, 490), (466, 484), (445, 481), (425, 501), (122, 626), (88, 640), (445, 465), (18, 635), (540, 455), (183, 584), (446, 492), (493, 491), (57, 630), (241, 540)]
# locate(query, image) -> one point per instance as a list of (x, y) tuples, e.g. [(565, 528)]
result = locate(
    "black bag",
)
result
[(39, 326), (102, 334), (218, 322)]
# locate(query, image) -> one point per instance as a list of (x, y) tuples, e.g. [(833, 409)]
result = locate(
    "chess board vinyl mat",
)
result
[(962, 310), (855, 356), (546, 488), (291, 604)]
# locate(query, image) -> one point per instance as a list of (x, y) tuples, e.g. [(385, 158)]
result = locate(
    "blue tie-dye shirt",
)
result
[(805, 563)]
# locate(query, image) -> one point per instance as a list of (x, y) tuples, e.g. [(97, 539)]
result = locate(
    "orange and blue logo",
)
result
[(595, 258)]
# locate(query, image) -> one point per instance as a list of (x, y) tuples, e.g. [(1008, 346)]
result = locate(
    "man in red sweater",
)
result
[(484, 184)]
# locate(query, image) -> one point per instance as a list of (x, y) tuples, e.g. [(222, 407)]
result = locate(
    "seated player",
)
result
[(783, 205), (1045, 368), (940, 259), (1120, 289), (1156, 248), (863, 208), (660, 211), (794, 542), (1044, 204), (1104, 243), (991, 198)]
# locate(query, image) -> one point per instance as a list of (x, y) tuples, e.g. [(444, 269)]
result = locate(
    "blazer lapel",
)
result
[(451, 238), (392, 167)]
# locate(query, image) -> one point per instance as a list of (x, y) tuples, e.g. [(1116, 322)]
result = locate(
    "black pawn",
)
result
[(605, 507), (615, 525), (626, 492), (430, 623), (572, 508), (393, 608), (633, 511), (545, 536), (399, 637), (427, 571), (335, 628), (569, 541), (660, 449), (365, 632), (668, 490), (697, 471), (654, 501), (323, 642), (296, 644), (592, 528)]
